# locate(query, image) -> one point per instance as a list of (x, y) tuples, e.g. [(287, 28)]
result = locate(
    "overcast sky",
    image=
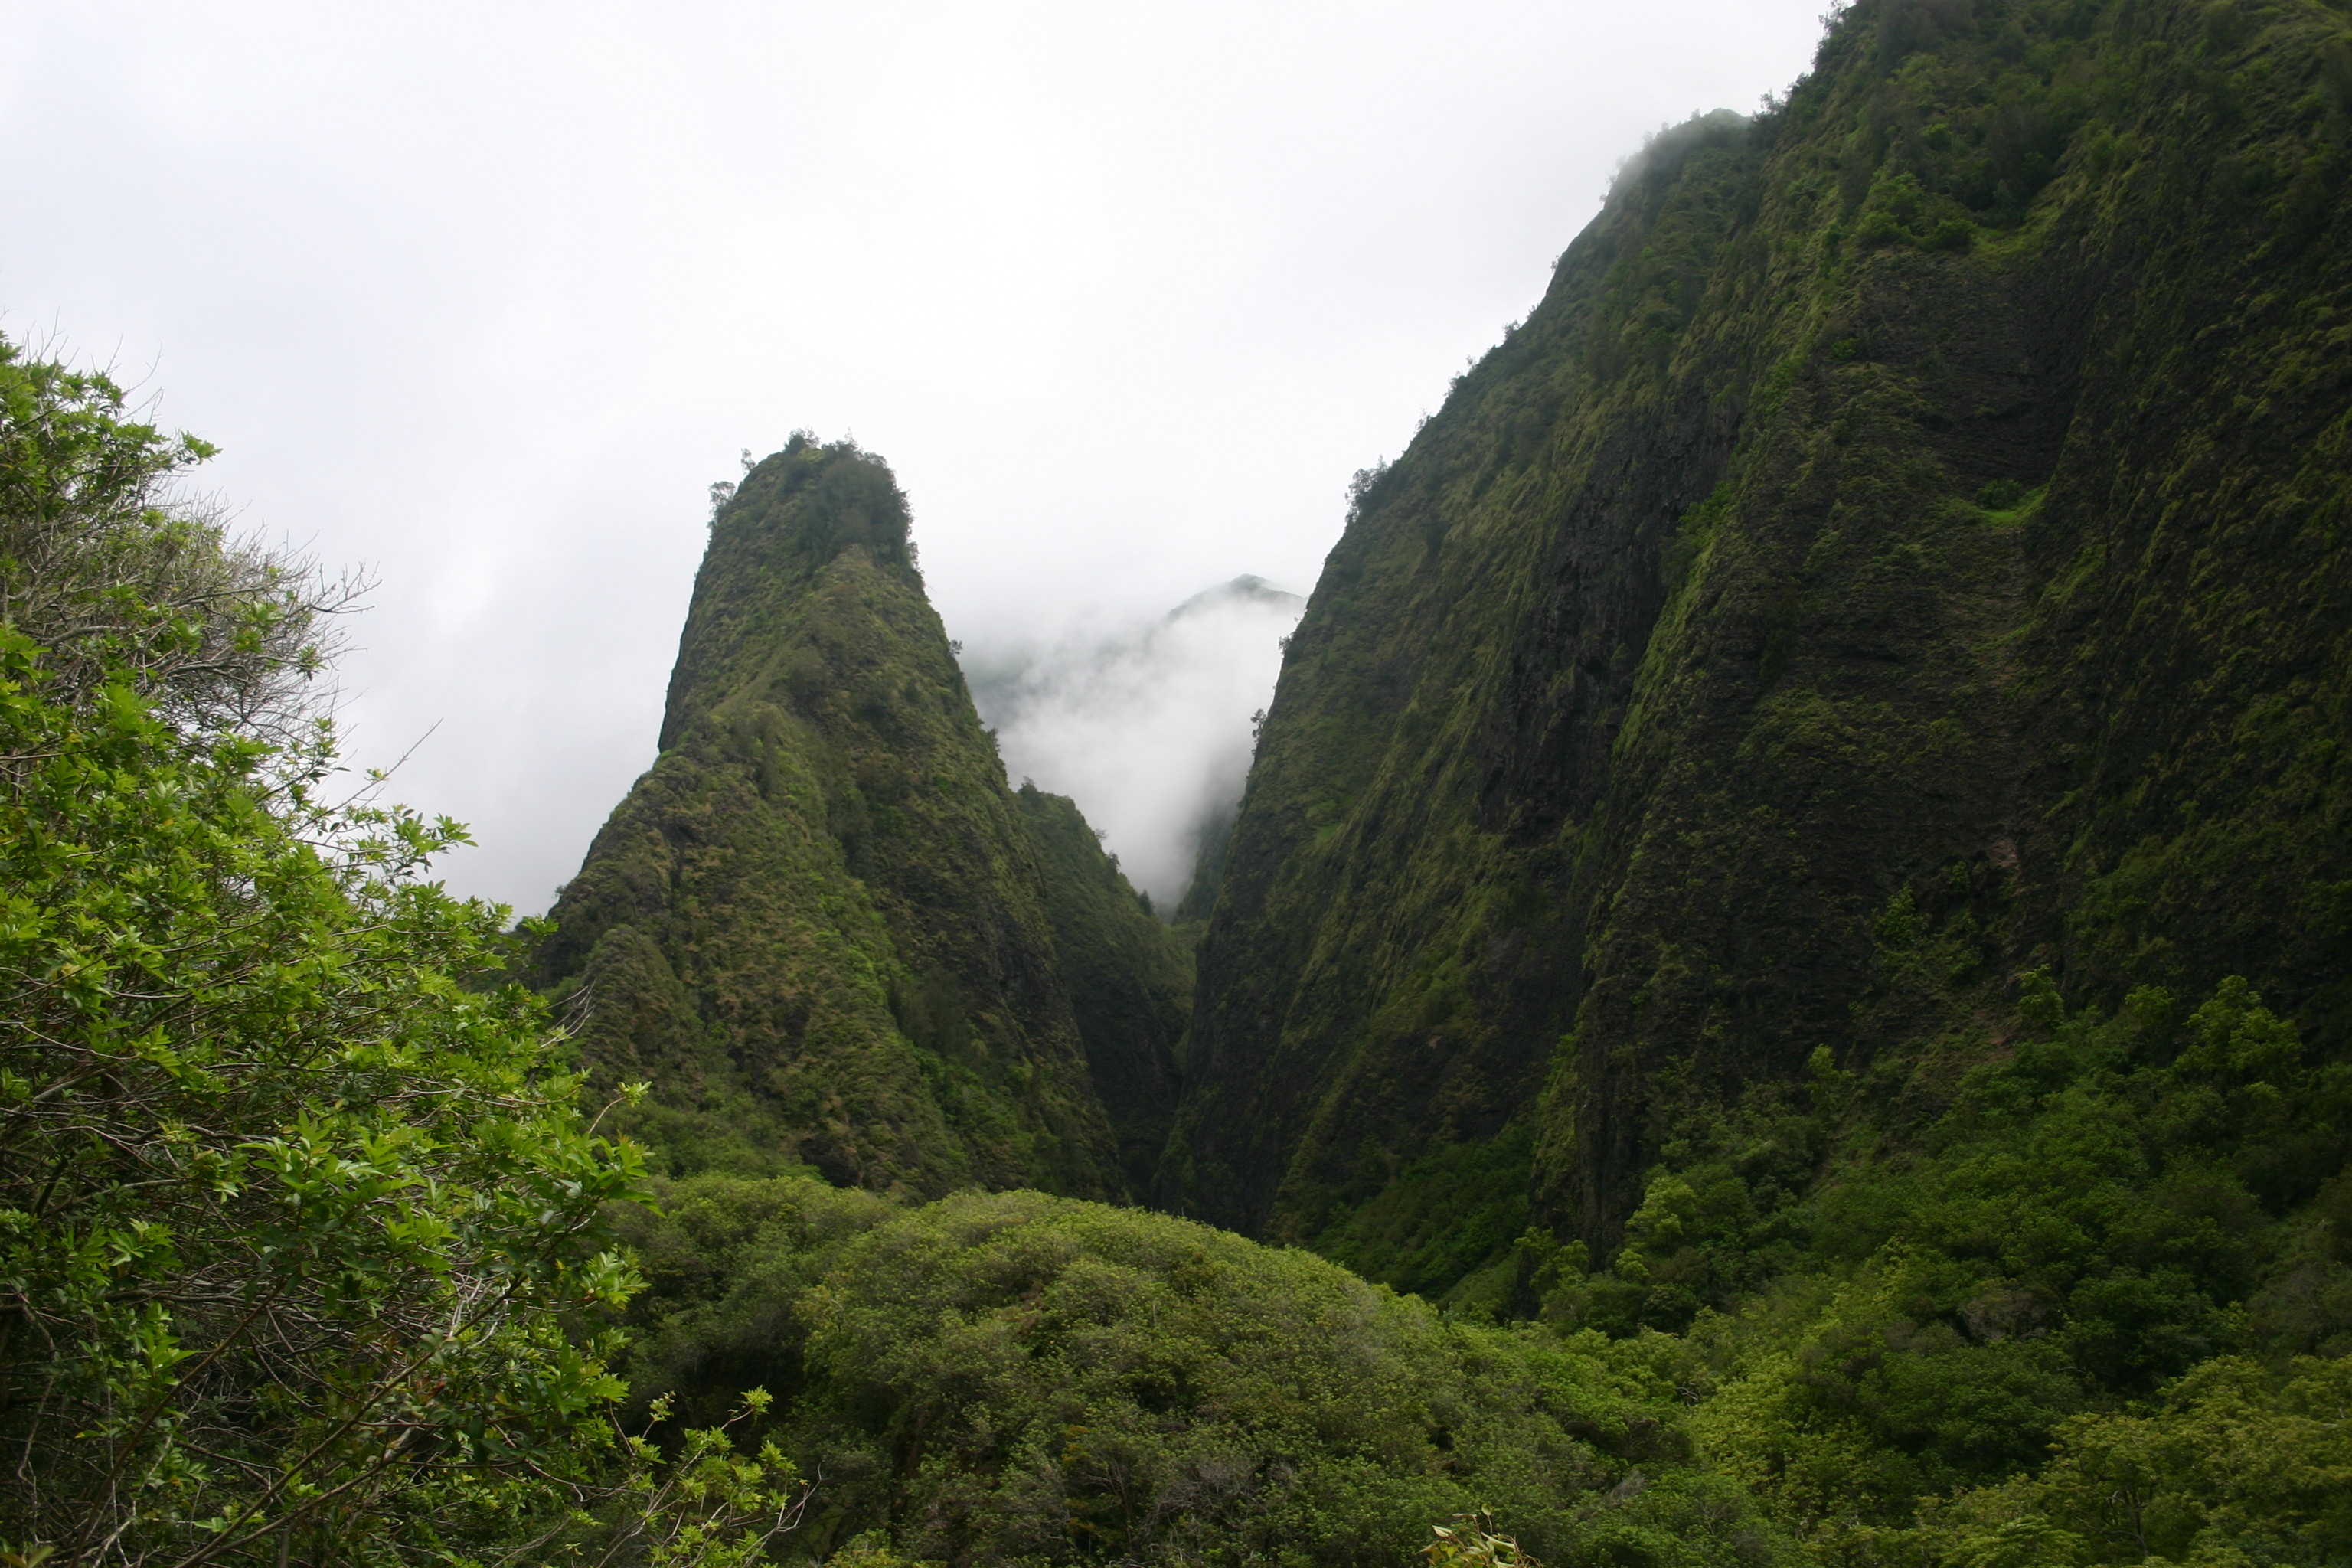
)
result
[(484, 296)]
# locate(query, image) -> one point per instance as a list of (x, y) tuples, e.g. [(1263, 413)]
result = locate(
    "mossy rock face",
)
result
[(819, 926), (1935, 488)]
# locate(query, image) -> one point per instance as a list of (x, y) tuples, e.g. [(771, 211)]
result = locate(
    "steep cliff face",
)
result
[(821, 926), (1130, 979), (1912, 524)]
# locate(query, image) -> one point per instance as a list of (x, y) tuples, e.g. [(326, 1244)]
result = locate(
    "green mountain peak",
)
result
[(821, 925)]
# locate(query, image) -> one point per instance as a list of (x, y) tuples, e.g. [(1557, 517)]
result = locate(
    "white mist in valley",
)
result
[(1147, 727)]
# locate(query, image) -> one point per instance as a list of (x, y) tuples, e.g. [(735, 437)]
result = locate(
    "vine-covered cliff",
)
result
[(1902, 556), (822, 927)]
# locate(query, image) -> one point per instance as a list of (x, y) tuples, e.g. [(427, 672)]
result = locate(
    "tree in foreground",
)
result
[(298, 1220)]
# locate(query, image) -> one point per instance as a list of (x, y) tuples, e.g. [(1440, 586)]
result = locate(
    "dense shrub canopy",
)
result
[(290, 1218), (1018, 1377)]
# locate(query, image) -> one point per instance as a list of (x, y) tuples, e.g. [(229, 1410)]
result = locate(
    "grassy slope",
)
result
[(1928, 500), (820, 924)]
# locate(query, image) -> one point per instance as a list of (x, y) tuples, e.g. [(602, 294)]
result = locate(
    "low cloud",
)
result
[(1147, 727)]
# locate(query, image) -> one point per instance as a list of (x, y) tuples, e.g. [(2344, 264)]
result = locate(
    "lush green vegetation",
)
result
[(822, 926), (1790, 923), (1814, 781), (298, 1214), (2119, 1203), (1895, 501), (1130, 978), (2087, 1300), (1020, 1378)]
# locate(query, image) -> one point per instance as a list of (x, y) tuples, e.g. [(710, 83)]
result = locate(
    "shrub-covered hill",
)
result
[(1017, 1378), (822, 926), (1904, 553)]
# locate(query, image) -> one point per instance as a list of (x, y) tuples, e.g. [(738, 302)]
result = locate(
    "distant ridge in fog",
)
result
[(1148, 726)]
